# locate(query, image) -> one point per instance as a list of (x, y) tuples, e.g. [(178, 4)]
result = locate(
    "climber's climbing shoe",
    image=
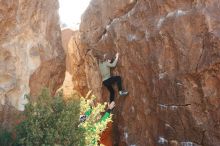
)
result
[(123, 93)]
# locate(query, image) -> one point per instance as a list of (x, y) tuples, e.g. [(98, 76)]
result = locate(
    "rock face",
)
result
[(169, 62), (31, 53), (75, 77)]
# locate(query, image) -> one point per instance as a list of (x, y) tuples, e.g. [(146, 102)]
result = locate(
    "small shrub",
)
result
[(5, 137), (53, 121), (93, 126), (50, 121)]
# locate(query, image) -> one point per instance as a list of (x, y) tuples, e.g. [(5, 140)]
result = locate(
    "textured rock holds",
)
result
[(31, 53), (169, 62)]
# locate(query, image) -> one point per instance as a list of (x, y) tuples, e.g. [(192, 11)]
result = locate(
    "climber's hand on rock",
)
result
[(111, 105), (117, 55)]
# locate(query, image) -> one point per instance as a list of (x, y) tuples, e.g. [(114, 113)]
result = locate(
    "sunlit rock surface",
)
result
[(75, 78), (169, 62), (31, 53)]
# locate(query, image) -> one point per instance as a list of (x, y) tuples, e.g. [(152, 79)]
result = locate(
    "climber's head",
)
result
[(107, 57)]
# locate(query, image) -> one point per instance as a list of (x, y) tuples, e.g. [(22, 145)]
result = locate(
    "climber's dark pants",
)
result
[(109, 83)]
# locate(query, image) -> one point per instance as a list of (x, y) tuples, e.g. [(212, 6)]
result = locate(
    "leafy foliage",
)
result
[(5, 137), (93, 126), (51, 121)]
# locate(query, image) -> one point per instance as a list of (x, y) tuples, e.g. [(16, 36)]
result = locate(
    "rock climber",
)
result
[(105, 63)]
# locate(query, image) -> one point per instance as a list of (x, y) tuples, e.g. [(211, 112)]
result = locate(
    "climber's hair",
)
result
[(105, 57)]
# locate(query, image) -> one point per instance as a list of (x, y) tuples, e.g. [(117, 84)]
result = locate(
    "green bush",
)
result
[(5, 138), (93, 126), (51, 121)]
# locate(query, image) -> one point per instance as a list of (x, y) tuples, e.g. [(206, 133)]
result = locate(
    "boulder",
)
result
[(169, 62)]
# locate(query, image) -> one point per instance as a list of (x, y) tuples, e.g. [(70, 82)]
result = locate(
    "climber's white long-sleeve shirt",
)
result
[(105, 68)]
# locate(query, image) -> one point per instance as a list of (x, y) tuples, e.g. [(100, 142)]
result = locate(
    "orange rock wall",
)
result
[(169, 62), (31, 53)]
